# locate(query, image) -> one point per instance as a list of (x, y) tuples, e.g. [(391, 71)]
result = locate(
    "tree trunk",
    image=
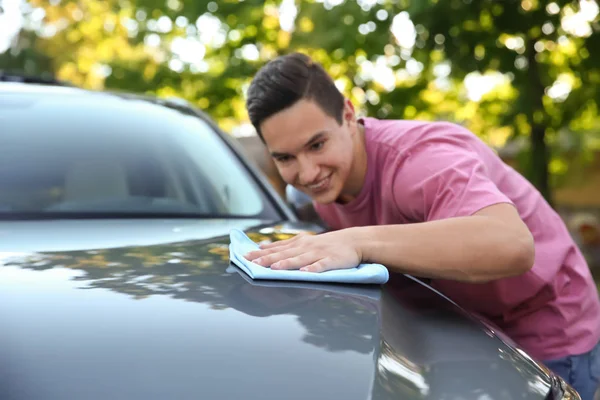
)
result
[(538, 165)]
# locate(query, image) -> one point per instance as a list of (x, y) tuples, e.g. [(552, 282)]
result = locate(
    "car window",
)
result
[(122, 156)]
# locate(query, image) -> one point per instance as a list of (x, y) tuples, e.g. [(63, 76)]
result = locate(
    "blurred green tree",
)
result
[(519, 69)]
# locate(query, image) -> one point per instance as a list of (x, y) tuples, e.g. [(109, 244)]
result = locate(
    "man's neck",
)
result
[(358, 171)]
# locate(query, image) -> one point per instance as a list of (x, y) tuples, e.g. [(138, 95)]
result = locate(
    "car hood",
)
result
[(153, 309)]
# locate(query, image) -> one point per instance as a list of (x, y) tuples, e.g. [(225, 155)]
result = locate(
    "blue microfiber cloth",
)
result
[(241, 244)]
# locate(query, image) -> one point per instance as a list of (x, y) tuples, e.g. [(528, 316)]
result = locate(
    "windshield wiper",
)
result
[(50, 215)]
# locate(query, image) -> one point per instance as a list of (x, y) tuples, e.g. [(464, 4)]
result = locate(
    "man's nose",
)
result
[(309, 171)]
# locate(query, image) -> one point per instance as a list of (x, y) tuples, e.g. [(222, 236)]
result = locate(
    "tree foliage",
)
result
[(394, 58)]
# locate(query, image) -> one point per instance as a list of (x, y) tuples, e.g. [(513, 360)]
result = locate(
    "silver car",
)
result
[(115, 280)]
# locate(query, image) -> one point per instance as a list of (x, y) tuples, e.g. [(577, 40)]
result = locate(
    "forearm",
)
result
[(471, 249)]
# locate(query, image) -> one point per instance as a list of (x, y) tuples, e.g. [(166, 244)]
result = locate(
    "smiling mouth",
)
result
[(320, 185)]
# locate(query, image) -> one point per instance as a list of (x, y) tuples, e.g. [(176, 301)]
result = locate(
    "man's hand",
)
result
[(310, 253)]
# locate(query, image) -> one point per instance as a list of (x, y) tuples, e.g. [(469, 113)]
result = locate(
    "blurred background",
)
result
[(522, 74)]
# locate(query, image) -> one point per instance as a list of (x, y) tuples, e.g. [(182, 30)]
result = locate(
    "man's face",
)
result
[(311, 150)]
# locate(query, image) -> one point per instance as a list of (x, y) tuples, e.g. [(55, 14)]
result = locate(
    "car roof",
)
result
[(20, 87), (17, 84)]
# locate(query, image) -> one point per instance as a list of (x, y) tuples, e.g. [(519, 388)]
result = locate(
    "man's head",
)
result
[(308, 126)]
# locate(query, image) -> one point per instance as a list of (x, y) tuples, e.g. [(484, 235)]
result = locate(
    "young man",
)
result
[(431, 200)]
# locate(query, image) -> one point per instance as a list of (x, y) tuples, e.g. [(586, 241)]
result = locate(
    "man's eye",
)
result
[(317, 146), (283, 159)]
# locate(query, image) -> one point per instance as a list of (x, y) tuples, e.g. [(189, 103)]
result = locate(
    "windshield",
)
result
[(105, 155)]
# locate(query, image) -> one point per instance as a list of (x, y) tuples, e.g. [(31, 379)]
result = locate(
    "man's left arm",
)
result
[(493, 243), (471, 232)]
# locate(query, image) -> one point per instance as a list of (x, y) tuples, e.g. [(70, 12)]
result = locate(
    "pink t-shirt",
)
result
[(424, 171)]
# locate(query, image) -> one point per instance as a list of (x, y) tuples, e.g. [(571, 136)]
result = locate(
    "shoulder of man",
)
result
[(425, 166), (405, 134), (393, 142)]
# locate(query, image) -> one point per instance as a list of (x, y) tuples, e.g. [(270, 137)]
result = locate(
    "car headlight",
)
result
[(560, 390)]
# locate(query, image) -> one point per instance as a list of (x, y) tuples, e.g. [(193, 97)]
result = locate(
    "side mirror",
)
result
[(302, 205)]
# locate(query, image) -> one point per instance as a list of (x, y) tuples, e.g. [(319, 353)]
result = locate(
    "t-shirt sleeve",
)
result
[(443, 180)]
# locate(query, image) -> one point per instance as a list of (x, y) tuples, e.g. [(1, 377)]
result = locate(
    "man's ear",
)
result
[(349, 112)]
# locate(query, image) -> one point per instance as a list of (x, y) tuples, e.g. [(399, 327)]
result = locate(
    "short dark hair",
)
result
[(287, 79)]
